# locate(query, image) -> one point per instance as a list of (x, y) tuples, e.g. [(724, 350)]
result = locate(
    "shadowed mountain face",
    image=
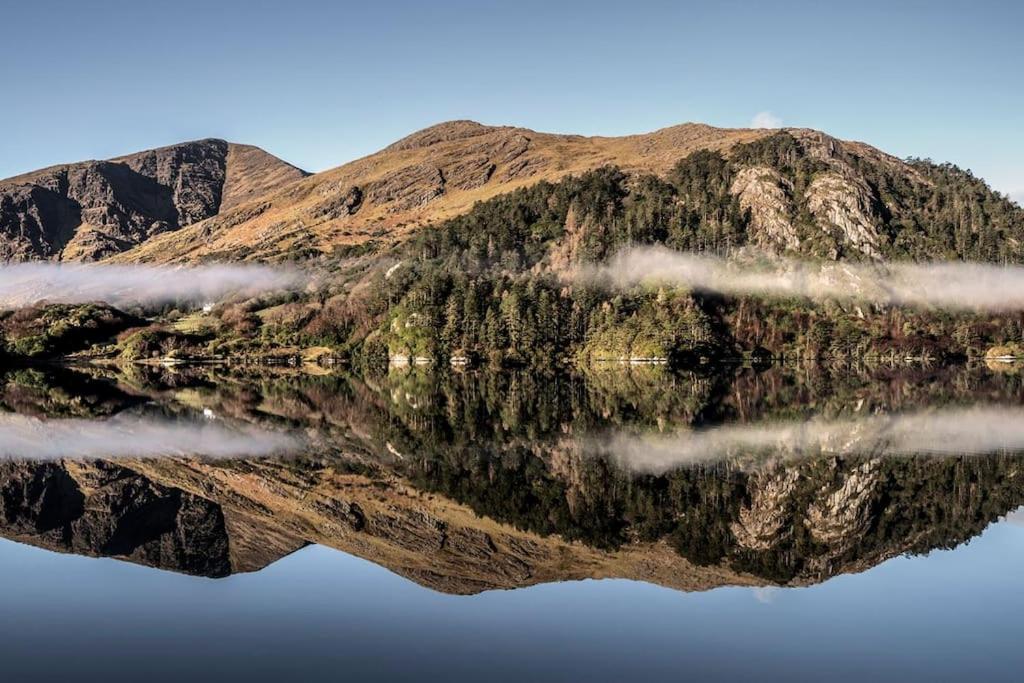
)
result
[(107, 510), (91, 209), (462, 485)]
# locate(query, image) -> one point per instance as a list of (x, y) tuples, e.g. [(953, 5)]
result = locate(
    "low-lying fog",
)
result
[(23, 284), (948, 285), (973, 430)]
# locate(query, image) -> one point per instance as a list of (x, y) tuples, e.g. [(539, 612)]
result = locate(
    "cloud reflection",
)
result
[(962, 431), (124, 436)]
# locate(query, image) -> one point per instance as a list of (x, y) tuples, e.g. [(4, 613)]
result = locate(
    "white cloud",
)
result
[(765, 119)]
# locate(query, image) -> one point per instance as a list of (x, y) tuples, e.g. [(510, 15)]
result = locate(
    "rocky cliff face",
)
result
[(768, 197), (92, 209), (843, 206)]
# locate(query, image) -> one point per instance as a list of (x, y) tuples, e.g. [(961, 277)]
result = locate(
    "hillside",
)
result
[(794, 190), (495, 284), (87, 210), (431, 175)]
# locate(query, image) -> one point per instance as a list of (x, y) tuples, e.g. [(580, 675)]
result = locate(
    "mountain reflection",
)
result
[(469, 482)]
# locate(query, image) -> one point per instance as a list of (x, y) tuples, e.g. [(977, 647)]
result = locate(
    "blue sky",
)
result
[(321, 83)]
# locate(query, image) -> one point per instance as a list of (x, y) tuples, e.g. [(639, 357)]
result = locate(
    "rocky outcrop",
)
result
[(338, 202), (843, 206), (408, 188), (763, 523), (767, 195), (841, 515), (92, 209)]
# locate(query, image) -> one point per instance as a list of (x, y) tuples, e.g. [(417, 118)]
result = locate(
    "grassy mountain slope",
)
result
[(429, 176)]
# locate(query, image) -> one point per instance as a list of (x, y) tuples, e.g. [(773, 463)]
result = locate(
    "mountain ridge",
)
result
[(430, 175), (441, 172), (270, 210)]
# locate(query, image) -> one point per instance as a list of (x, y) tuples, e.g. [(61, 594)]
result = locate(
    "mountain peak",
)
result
[(446, 131)]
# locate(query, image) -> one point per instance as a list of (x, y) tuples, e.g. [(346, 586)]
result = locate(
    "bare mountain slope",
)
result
[(91, 209)]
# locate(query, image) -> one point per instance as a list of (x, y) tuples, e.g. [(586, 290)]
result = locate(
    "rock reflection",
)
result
[(470, 483)]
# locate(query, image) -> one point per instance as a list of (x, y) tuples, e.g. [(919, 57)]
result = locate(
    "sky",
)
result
[(320, 83)]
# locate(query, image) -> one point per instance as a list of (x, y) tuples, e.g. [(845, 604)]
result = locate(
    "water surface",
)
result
[(478, 526)]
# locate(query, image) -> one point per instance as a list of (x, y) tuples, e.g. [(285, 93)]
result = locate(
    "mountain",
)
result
[(793, 525), (790, 190), (87, 210), (431, 175), (785, 190)]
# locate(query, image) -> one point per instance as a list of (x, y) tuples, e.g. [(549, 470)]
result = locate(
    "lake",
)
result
[(735, 523)]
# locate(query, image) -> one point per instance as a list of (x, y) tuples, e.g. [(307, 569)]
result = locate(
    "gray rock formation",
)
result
[(768, 196)]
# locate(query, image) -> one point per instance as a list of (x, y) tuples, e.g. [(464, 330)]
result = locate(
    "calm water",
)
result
[(775, 524)]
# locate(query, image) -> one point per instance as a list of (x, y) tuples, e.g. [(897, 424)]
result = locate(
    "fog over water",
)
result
[(947, 285), (976, 430), (23, 284), (130, 436)]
